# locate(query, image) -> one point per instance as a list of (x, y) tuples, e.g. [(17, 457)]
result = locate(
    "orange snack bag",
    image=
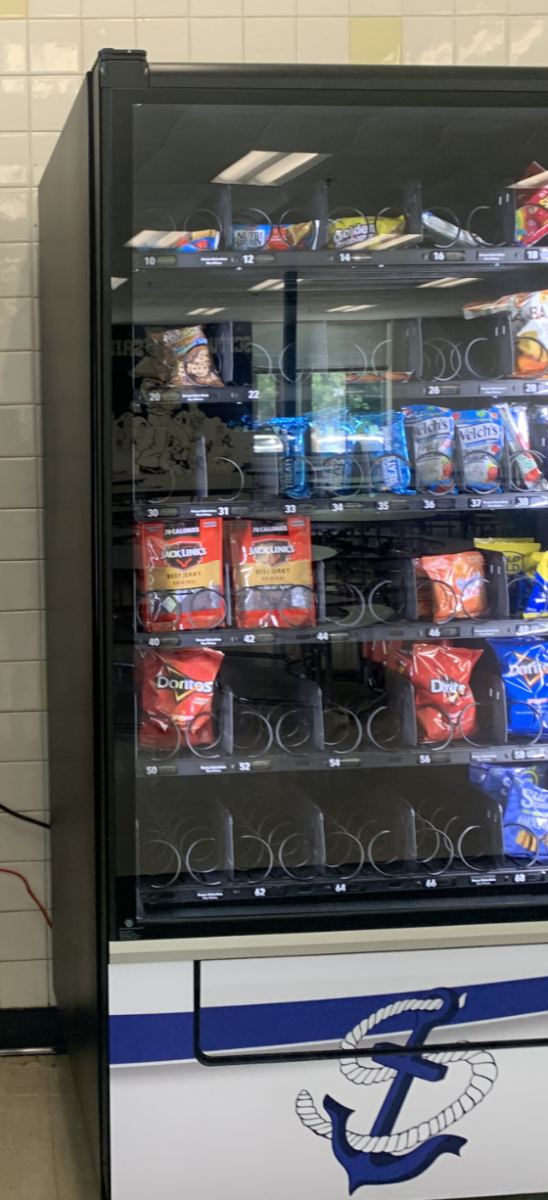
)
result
[(458, 585)]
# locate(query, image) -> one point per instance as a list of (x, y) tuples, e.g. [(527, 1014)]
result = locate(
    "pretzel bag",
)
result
[(272, 573), (176, 691), (181, 575)]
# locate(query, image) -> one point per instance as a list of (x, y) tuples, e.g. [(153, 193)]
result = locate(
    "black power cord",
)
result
[(22, 817)]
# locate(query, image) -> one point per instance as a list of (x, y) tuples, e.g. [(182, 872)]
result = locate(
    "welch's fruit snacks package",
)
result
[(528, 313), (480, 440), (524, 672), (430, 432)]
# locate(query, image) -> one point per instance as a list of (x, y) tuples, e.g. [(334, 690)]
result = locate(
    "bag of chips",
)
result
[(528, 312), (524, 671), (176, 692), (458, 585), (184, 355), (444, 702), (181, 575), (497, 781), (430, 430), (480, 439), (525, 827), (382, 438), (357, 230), (272, 573), (537, 601)]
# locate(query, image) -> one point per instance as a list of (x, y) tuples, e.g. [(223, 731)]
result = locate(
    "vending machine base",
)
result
[(238, 1097)]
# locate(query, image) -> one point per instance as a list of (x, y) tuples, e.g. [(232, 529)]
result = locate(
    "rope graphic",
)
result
[(483, 1075)]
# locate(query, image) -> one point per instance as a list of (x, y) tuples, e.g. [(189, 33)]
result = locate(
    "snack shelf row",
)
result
[(406, 631), (374, 506), (511, 755), (490, 389), (487, 258)]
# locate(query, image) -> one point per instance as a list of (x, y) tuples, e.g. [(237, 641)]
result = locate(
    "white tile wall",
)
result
[(41, 61)]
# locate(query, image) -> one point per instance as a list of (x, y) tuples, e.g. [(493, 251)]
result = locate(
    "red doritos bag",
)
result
[(181, 575), (176, 688), (440, 675), (272, 573)]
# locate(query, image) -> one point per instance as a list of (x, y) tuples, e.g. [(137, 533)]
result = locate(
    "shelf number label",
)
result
[(431, 883), (150, 260), (153, 512), (249, 638), (522, 502), (433, 632), (322, 636), (155, 397), (249, 259), (334, 762), (223, 510), (337, 507), (519, 754), (437, 256), (433, 390), (429, 504), (383, 505), (259, 892), (253, 395), (290, 508), (340, 887), (519, 878), (244, 766), (152, 770), (475, 502), (424, 759), (345, 258), (154, 641)]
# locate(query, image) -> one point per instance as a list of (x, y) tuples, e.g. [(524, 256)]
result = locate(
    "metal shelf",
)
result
[(487, 258), (320, 635), (418, 756)]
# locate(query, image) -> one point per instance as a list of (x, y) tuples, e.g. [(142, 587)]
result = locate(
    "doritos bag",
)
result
[(458, 585), (272, 572), (444, 700), (524, 670), (528, 313), (181, 575), (176, 690)]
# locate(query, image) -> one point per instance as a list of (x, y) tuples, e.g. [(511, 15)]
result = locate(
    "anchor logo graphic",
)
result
[(384, 1155)]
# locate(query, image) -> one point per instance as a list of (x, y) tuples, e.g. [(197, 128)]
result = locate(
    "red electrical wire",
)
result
[(6, 871)]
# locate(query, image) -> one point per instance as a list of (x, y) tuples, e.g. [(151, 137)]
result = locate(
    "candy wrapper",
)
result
[(183, 241), (528, 312), (524, 670), (382, 438), (430, 430), (356, 230), (272, 573), (302, 236), (176, 692), (458, 585), (181, 575), (184, 355), (525, 472), (480, 439), (531, 219), (444, 701)]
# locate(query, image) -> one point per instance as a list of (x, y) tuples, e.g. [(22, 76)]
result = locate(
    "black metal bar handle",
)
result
[(293, 1056)]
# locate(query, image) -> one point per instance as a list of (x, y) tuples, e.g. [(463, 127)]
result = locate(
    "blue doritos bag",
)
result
[(524, 671)]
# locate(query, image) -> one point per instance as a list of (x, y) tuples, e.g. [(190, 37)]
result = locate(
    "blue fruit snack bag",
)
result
[(381, 437), (288, 436), (524, 671), (430, 433), (335, 470), (480, 441), (525, 825)]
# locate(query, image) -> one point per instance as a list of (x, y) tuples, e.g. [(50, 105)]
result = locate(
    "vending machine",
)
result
[(295, 369)]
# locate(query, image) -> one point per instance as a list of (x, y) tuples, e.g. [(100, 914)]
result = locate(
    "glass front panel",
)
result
[(330, 481)]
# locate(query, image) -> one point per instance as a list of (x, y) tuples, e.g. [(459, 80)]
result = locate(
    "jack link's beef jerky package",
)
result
[(176, 691), (528, 312), (524, 671), (458, 584), (444, 701), (183, 356), (272, 572), (480, 439), (181, 574), (430, 431)]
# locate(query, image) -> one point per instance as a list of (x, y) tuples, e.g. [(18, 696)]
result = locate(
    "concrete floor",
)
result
[(43, 1154)]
